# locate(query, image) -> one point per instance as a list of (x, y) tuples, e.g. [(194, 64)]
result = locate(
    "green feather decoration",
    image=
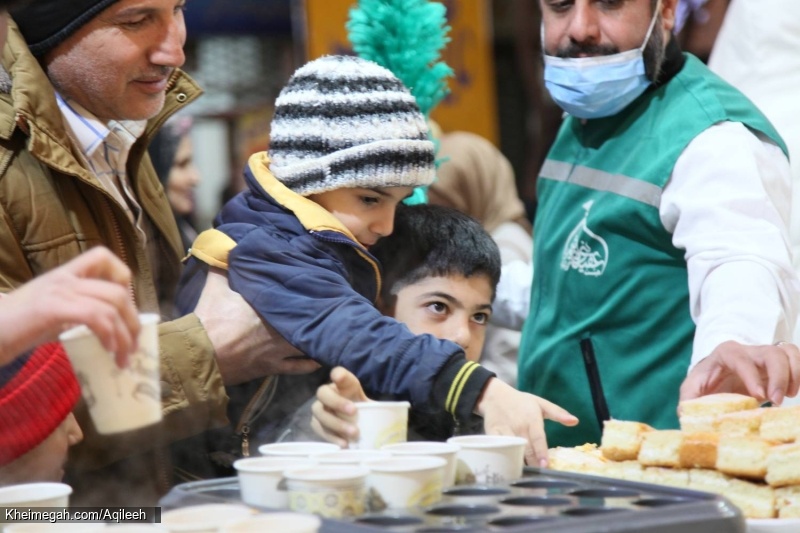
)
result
[(406, 37)]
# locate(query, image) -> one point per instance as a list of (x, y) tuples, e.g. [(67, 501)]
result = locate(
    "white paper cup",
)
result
[(349, 457), (296, 449), (445, 450), (332, 491), (119, 399), (489, 459), (35, 495), (277, 522), (405, 481), (380, 423), (261, 479), (206, 518)]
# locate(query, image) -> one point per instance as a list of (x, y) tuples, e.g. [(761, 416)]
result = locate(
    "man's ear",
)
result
[(668, 8)]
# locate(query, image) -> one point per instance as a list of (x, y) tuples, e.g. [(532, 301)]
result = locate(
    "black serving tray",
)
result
[(541, 500)]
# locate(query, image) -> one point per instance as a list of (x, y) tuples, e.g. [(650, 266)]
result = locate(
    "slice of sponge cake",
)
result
[(622, 439), (756, 500), (741, 422), (783, 465), (671, 477), (780, 423), (744, 456), (698, 414), (699, 450), (787, 502), (585, 459), (661, 448), (627, 470)]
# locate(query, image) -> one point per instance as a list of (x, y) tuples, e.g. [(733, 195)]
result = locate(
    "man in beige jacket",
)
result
[(84, 86)]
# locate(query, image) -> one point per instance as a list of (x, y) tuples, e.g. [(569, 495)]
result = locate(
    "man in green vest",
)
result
[(661, 234)]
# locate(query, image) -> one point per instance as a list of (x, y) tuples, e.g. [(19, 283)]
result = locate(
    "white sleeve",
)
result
[(513, 296), (734, 230)]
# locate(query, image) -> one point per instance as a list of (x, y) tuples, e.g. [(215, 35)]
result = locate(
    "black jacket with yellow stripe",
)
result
[(306, 275)]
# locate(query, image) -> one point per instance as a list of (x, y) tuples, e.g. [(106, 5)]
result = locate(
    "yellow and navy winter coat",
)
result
[(305, 274)]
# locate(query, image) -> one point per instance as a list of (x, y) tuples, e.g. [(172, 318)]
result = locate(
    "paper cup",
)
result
[(283, 522), (404, 481), (206, 518), (261, 479), (119, 399), (444, 450), (296, 449), (380, 423), (328, 490), (35, 495), (489, 459), (349, 457)]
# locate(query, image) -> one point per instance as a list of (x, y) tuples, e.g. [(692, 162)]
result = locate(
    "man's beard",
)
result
[(653, 52)]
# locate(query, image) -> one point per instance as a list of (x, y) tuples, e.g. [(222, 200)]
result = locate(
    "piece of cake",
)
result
[(756, 500), (741, 422), (780, 423), (660, 448), (787, 501), (783, 465), (627, 470), (699, 414), (744, 456), (699, 450), (708, 480), (672, 477), (586, 459), (622, 439)]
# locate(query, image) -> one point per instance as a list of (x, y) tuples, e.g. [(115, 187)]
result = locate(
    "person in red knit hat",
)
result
[(38, 388), (37, 394)]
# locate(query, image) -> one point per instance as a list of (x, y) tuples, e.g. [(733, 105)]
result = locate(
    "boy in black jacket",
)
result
[(440, 269)]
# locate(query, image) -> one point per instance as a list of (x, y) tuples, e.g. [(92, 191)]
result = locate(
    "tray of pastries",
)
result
[(727, 444)]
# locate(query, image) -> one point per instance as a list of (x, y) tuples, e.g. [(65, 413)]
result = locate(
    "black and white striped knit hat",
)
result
[(342, 122)]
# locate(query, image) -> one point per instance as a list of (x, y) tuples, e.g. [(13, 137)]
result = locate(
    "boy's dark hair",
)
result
[(434, 241)]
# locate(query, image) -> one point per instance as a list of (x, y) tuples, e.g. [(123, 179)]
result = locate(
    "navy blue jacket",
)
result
[(307, 276)]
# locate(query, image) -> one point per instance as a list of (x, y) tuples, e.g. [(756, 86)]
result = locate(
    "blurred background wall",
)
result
[(242, 52)]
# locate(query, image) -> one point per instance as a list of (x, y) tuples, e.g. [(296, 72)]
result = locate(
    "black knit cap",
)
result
[(46, 23)]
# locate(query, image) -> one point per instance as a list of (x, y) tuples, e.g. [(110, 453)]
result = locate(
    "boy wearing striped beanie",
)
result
[(347, 144)]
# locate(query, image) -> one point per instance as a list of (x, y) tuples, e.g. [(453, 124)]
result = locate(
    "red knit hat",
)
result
[(35, 401)]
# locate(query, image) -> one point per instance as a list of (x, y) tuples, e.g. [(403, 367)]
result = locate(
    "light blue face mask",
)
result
[(595, 87)]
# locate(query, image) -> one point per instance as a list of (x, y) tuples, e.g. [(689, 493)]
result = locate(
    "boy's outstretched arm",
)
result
[(507, 411)]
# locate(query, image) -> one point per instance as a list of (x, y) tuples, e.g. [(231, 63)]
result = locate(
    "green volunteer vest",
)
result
[(609, 334)]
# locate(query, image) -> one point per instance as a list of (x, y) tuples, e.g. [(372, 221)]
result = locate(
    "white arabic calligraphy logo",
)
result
[(584, 250)]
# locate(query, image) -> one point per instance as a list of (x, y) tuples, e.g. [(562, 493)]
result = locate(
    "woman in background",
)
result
[(173, 159), (477, 179)]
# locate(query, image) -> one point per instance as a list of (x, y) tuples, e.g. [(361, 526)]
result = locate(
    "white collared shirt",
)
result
[(727, 205), (105, 148)]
